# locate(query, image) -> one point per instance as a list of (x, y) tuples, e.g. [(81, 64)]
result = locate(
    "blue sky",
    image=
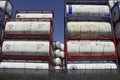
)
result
[(56, 5)]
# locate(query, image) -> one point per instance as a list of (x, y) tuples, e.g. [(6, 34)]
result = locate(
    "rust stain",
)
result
[(7, 46), (40, 46)]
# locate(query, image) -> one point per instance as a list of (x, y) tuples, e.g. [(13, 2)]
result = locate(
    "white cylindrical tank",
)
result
[(89, 29), (112, 3), (116, 13), (27, 27), (62, 47), (62, 54), (9, 6), (33, 48), (88, 10), (57, 53), (56, 45), (88, 48), (23, 65), (57, 61), (92, 66), (117, 30), (34, 15)]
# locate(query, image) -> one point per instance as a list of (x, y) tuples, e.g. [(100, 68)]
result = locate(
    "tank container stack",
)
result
[(89, 35), (27, 40)]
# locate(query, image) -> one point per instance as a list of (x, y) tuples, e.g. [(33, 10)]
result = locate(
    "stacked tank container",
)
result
[(5, 12), (89, 35), (116, 21), (28, 37)]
